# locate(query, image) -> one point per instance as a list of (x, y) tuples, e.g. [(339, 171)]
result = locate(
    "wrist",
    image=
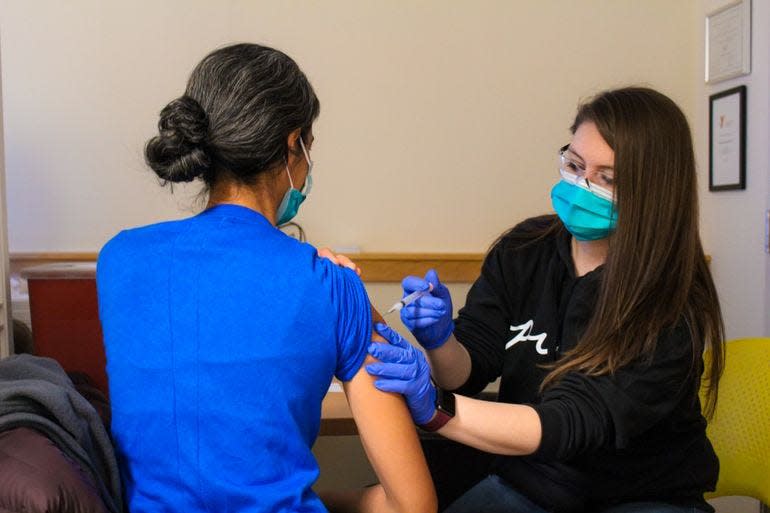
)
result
[(428, 410), (437, 342), (444, 411)]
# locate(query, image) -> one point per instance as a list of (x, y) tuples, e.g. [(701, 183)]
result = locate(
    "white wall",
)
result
[(440, 120), (733, 222), (765, 22)]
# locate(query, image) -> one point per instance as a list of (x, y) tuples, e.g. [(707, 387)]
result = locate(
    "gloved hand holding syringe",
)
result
[(411, 298)]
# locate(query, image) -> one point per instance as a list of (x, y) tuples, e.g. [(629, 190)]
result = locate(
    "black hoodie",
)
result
[(634, 436)]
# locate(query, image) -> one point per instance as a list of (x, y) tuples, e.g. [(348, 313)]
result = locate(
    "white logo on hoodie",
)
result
[(523, 334)]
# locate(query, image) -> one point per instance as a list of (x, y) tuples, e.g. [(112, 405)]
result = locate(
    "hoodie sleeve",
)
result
[(482, 323), (583, 413)]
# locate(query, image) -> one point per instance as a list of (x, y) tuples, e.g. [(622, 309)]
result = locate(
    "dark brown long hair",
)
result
[(656, 274)]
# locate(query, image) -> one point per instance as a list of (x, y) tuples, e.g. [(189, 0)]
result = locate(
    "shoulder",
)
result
[(349, 307), (528, 238), (675, 345), (668, 367), (533, 231), (534, 226), (140, 236), (332, 274), (133, 249)]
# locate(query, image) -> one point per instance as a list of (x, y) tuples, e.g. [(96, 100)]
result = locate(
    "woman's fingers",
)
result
[(413, 283), (344, 261), (396, 386), (429, 303), (399, 371), (391, 335), (414, 312), (390, 354), (329, 255), (339, 259)]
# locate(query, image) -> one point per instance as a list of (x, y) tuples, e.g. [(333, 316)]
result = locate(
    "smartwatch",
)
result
[(445, 410)]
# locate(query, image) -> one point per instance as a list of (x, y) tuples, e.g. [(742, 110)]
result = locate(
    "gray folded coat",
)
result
[(36, 393)]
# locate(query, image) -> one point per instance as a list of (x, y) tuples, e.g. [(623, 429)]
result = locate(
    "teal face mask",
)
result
[(293, 198), (586, 215)]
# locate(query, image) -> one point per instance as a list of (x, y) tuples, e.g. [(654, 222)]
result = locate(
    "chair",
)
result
[(740, 427)]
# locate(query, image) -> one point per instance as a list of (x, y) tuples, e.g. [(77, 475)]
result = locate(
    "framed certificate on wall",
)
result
[(728, 42), (727, 140)]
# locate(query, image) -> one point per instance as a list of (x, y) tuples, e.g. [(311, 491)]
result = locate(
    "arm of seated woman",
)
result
[(498, 428), (393, 448)]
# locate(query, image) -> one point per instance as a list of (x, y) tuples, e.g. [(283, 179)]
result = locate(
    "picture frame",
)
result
[(728, 42), (727, 140)]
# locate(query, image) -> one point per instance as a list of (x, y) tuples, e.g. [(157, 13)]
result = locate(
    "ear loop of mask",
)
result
[(291, 182), (306, 188)]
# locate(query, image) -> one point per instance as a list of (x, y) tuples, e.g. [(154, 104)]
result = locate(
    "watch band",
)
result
[(445, 410), (437, 422)]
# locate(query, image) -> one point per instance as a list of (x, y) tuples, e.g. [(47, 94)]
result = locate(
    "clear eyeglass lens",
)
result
[(570, 166), (574, 173)]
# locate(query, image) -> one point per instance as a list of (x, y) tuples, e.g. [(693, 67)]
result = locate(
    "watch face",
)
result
[(445, 402)]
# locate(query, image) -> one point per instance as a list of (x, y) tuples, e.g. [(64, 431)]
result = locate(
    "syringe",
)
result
[(411, 298)]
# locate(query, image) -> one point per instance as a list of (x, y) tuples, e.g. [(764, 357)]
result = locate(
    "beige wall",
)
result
[(440, 120)]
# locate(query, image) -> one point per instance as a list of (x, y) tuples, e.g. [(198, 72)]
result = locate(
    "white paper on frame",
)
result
[(726, 145), (728, 42)]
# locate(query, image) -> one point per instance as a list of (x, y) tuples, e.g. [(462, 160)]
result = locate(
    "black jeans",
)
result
[(494, 495)]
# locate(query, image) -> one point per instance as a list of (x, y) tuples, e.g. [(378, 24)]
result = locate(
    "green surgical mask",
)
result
[(586, 215), (293, 198)]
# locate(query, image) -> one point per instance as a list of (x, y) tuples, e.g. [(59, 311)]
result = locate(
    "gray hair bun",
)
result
[(178, 153)]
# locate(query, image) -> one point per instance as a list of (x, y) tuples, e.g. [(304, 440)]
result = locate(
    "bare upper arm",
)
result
[(391, 443)]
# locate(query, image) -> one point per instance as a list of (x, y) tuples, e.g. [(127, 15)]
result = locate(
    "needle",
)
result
[(411, 298)]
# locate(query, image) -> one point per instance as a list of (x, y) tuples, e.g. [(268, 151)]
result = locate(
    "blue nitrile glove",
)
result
[(430, 317), (403, 369)]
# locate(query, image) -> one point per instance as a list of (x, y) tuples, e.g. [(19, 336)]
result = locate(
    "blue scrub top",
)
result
[(222, 335)]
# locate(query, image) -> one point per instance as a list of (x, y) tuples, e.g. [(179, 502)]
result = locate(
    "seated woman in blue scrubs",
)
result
[(223, 334)]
